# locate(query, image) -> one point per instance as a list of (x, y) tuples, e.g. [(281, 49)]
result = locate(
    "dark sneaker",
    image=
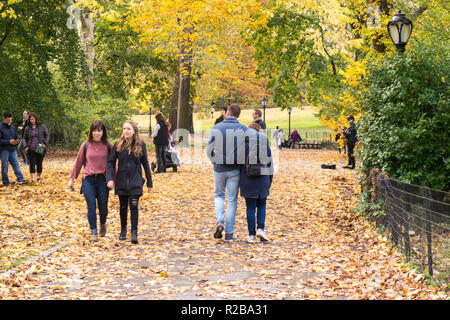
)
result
[(230, 237), (102, 230), (123, 235), (134, 237), (22, 182), (218, 233)]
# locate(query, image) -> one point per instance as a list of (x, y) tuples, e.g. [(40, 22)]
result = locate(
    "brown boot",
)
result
[(102, 230)]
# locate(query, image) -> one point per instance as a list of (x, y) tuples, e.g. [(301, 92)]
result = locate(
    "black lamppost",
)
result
[(400, 29), (264, 104), (289, 111)]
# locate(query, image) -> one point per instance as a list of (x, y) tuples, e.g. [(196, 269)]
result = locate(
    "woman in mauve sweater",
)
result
[(93, 185)]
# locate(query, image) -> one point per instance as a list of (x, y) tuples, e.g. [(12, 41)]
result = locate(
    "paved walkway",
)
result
[(319, 249)]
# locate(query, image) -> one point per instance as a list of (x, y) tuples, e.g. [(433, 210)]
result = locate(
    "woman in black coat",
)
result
[(255, 189), (131, 154), (35, 136)]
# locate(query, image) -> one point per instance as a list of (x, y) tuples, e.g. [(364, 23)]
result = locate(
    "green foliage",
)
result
[(368, 209), (112, 111), (405, 129), (283, 50)]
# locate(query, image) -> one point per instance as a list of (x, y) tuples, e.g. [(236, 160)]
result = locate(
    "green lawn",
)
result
[(302, 119)]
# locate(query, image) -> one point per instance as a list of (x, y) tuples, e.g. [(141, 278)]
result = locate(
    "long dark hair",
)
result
[(98, 125), (36, 117)]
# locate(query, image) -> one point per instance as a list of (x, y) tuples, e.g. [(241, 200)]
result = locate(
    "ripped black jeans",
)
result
[(133, 202)]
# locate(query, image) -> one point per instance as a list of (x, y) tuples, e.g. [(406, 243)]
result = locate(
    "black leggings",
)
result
[(36, 160), (133, 202)]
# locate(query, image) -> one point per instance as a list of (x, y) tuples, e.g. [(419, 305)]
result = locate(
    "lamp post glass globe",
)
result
[(264, 104), (400, 29)]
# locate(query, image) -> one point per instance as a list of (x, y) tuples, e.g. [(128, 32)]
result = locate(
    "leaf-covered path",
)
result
[(319, 249)]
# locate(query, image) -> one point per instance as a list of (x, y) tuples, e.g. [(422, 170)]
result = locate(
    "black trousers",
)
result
[(133, 202), (161, 157), (351, 157), (36, 160)]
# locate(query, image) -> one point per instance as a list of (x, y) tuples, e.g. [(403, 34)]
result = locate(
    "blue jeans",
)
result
[(252, 204), (10, 157), (95, 191), (230, 181)]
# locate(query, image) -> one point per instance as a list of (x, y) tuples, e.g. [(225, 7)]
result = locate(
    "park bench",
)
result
[(309, 145)]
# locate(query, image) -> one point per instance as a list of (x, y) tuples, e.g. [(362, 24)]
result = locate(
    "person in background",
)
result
[(22, 127), (223, 112), (35, 135), (351, 138), (257, 114), (93, 155), (294, 138), (275, 134), (281, 139), (255, 189), (8, 150), (131, 154), (161, 141)]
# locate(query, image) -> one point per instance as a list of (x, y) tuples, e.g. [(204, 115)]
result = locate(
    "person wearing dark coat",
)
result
[(223, 111), (255, 189), (8, 149), (256, 115), (131, 154), (161, 141), (351, 138), (35, 134)]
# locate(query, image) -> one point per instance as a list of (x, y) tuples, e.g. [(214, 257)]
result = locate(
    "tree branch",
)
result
[(112, 35)]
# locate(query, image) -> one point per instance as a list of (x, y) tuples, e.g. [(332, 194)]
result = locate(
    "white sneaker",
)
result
[(251, 239), (261, 235)]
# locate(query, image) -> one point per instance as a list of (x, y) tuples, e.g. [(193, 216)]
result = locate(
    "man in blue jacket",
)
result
[(226, 150), (8, 149)]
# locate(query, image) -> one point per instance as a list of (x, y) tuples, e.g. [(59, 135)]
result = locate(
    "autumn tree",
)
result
[(191, 30)]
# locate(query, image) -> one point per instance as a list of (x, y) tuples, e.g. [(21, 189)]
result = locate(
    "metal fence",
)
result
[(417, 220)]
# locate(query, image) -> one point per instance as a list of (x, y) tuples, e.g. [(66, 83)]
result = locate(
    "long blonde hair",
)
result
[(133, 145)]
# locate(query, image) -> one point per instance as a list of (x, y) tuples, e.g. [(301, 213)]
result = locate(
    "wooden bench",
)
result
[(308, 145)]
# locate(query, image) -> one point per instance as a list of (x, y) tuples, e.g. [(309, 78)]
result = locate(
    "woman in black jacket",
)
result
[(34, 137), (131, 154)]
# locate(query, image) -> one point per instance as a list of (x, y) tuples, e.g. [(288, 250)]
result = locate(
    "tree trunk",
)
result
[(376, 44), (85, 26), (182, 97)]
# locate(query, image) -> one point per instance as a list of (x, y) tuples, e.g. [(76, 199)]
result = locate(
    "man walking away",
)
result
[(351, 138), (225, 150), (257, 114), (8, 149)]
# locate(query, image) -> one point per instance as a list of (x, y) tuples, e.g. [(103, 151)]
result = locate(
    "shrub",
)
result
[(405, 129)]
